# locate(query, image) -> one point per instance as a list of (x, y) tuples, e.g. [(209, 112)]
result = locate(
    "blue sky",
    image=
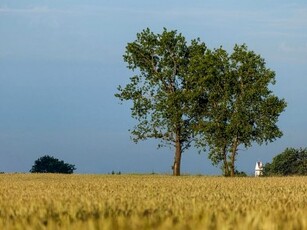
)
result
[(61, 61)]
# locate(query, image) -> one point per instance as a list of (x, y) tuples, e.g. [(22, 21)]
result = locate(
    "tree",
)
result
[(159, 89), (183, 93), (290, 162), (49, 164), (240, 108)]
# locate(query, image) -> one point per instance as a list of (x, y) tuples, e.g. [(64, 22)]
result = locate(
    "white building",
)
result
[(259, 169)]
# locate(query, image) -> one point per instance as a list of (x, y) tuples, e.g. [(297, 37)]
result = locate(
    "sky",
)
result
[(61, 62)]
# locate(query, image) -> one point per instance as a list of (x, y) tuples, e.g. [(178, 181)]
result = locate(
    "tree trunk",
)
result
[(226, 166), (233, 157), (232, 165), (177, 158)]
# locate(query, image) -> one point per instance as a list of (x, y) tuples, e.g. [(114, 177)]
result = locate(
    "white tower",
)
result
[(258, 169)]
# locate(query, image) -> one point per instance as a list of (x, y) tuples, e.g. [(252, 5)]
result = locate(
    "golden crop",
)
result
[(50, 201)]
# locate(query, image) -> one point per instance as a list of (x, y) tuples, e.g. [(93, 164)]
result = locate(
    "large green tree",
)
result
[(182, 93), (159, 89), (240, 108)]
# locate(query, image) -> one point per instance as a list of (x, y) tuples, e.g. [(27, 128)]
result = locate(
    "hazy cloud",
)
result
[(34, 10), (62, 60), (293, 52)]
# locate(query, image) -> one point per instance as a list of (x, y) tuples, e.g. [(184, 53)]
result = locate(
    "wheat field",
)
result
[(53, 201)]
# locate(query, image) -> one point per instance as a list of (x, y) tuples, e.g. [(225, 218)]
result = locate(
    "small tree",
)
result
[(289, 162), (49, 164)]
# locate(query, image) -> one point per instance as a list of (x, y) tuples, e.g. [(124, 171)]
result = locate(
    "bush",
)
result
[(290, 162), (240, 174), (49, 164)]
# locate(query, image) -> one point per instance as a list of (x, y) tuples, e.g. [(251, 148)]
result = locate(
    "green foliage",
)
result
[(159, 89), (240, 173), (49, 164), (240, 107), (183, 93), (290, 162)]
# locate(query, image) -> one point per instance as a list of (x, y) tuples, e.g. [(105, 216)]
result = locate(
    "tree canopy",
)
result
[(240, 108), (49, 164), (290, 162), (184, 93), (158, 88)]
